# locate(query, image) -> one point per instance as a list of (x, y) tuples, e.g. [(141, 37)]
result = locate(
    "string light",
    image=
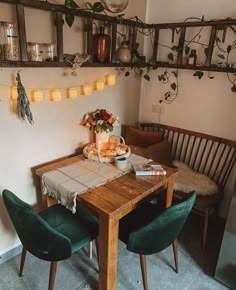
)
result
[(110, 80), (14, 93), (55, 95), (72, 93), (86, 90), (99, 85), (37, 96)]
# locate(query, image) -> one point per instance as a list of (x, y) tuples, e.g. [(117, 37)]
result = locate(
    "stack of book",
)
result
[(148, 169)]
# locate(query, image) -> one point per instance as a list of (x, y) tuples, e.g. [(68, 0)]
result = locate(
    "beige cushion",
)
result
[(137, 137), (159, 152)]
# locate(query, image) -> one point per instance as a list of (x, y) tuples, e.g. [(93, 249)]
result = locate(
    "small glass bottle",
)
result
[(10, 41), (49, 52), (101, 46), (192, 59), (35, 51)]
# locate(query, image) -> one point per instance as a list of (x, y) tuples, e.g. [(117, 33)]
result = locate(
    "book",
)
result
[(148, 169)]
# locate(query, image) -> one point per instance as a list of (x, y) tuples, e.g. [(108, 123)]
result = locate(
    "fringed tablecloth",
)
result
[(67, 182)]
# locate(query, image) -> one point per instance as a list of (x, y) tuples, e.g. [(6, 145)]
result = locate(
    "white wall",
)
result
[(204, 105), (56, 131)]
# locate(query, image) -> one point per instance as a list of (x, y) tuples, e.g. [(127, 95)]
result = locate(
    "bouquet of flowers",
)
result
[(100, 121)]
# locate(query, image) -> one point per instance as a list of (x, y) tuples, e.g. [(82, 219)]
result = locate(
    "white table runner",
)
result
[(67, 182)]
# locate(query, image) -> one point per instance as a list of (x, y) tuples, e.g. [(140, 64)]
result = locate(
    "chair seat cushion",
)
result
[(83, 229), (137, 219)]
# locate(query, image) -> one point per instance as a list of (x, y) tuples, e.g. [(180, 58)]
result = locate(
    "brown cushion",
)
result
[(159, 152), (137, 137)]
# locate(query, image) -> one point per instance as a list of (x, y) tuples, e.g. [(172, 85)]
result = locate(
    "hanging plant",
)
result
[(23, 104)]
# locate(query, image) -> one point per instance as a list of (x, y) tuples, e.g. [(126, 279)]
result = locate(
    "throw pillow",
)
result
[(159, 152), (141, 138)]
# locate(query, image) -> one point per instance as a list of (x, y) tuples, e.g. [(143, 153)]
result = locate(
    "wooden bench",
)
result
[(210, 155)]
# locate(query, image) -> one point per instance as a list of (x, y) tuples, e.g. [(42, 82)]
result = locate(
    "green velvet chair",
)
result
[(148, 230), (53, 234)]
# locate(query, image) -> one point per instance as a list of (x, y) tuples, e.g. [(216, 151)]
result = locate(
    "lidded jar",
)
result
[(49, 52), (35, 51), (123, 54), (10, 41), (101, 46)]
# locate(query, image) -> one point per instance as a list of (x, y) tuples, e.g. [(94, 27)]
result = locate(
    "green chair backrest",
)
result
[(36, 235), (159, 233)]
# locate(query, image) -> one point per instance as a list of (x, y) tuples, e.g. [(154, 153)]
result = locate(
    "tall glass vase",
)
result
[(101, 46), (102, 139)]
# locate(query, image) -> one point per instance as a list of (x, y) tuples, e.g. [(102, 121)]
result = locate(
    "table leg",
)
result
[(108, 251), (169, 194)]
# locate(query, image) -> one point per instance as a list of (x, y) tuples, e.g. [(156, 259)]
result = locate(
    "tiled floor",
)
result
[(79, 273)]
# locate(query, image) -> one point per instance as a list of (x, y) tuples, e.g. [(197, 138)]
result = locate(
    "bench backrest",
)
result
[(211, 155)]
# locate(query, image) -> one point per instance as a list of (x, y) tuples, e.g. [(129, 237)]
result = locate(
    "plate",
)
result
[(90, 151)]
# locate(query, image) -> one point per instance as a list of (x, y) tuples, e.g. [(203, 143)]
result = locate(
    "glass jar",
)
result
[(192, 59), (35, 51), (49, 52), (10, 41), (101, 46)]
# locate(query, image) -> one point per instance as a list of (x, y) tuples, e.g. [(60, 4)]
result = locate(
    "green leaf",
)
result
[(98, 7), (211, 77), (159, 78), (221, 56), (206, 51), (69, 19), (120, 18), (175, 73), (71, 4), (173, 86), (187, 49), (160, 101), (147, 77), (171, 56), (229, 47), (198, 74), (233, 89), (127, 73)]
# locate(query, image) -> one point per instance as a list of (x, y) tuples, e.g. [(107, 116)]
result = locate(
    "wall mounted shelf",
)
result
[(59, 11)]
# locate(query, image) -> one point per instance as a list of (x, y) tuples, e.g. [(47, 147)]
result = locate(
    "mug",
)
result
[(121, 163)]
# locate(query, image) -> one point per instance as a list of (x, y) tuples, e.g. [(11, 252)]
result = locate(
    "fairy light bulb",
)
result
[(37, 96), (56, 95), (99, 85), (111, 80), (72, 93), (14, 93), (87, 90)]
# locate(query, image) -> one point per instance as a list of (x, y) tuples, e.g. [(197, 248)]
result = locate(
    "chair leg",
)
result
[(97, 248), (175, 250), (22, 261), (205, 228), (90, 250), (144, 271), (52, 275)]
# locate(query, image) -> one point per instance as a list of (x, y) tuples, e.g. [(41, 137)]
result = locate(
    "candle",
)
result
[(37, 96), (99, 85), (56, 95), (72, 93), (87, 90), (111, 80)]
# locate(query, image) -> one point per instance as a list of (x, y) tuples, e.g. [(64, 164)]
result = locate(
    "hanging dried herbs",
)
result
[(23, 104)]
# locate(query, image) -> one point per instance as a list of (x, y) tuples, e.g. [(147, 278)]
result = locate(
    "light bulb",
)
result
[(99, 85), (56, 95), (14, 93), (86, 90), (111, 80), (72, 93), (37, 96)]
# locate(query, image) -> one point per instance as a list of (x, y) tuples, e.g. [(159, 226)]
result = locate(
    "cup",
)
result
[(121, 163)]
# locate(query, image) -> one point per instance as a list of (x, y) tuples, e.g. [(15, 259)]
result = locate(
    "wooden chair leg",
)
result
[(22, 261), (53, 270), (97, 248), (144, 271), (205, 228), (90, 250), (175, 250)]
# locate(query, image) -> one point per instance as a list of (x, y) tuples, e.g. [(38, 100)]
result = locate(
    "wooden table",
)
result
[(111, 202)]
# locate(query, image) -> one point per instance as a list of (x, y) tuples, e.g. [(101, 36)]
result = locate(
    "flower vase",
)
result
[(102, 139)]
